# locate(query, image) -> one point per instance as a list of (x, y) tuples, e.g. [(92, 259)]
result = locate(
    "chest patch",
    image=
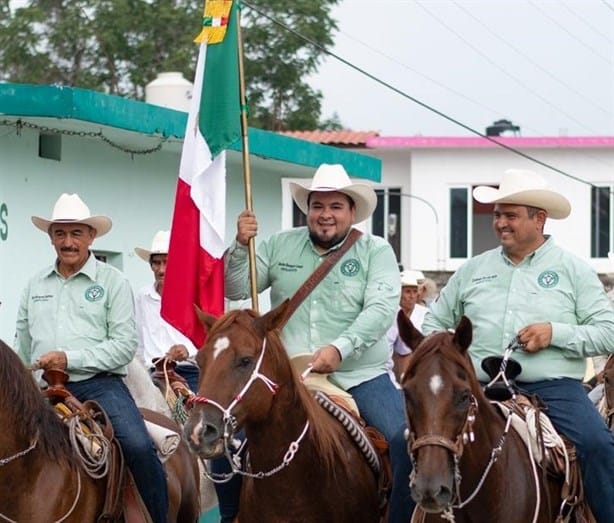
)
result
[(350, 267), (94, 293), (548, 279)]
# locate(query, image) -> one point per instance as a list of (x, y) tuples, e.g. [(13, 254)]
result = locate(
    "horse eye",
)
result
[(462, 400), (244, 362)]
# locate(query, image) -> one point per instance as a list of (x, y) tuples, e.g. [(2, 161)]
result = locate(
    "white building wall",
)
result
[(429, 174)]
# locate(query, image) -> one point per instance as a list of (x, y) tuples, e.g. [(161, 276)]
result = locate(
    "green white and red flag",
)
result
[(195, 267)]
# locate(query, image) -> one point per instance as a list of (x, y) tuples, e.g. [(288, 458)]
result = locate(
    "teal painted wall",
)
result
[(136, 191)]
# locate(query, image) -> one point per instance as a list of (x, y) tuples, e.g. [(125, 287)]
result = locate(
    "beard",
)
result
[(326, 243)]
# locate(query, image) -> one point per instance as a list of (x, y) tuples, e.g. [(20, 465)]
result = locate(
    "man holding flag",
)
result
[(195, 268)]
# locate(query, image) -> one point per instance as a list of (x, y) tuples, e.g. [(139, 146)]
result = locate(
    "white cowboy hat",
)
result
[(70, 209), (159, 245), (411, 278), (329, 178), (520, 187), (316, 381)]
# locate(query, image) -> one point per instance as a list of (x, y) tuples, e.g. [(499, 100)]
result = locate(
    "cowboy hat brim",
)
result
[(556, 205), (364, 197), (102, 224)]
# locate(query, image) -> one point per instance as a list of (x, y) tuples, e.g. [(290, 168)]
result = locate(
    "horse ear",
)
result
[(273, 319), (206, 319), (411, 336), (463, 334)]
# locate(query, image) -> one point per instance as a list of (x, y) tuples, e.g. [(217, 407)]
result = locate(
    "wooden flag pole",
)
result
[(247, 177)]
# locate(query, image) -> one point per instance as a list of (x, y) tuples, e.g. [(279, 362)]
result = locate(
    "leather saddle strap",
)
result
[(318, 275)]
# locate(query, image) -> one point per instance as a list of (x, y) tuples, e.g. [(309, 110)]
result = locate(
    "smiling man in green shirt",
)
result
[(343, 321), (556, 305)]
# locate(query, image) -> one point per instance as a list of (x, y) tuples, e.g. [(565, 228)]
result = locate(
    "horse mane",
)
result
[(25, 410), (441, 342), (325, 440)]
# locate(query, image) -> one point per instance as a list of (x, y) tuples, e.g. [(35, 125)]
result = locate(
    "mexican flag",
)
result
[(195, 268)]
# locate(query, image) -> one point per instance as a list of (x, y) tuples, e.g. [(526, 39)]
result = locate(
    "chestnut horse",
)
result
[(302, 465), (41, 479), (468, 465)]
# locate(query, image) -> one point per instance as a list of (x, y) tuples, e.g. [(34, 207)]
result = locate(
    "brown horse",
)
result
[(468, 465), (41, 479), (302, 465)]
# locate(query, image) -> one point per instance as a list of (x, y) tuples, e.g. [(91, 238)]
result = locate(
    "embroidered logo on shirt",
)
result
[(350, 267), (94, 293), (548, 279)]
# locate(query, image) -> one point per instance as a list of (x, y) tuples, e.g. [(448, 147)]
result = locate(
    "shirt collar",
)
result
[(89, 269)]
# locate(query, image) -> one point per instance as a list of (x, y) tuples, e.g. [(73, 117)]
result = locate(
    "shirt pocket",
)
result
[(344, 296)]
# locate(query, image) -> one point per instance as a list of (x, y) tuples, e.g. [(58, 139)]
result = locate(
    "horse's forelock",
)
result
[(440, 344)]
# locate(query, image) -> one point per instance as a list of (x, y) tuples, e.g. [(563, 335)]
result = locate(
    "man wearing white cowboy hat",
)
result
[(156, 337), (410, 291), (556, 306), (343, 322), (77, 315)]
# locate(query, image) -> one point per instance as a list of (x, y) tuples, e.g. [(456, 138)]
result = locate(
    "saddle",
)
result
[(173, 386), (369, 440), (122, 501), (497, 389), (548, 449)]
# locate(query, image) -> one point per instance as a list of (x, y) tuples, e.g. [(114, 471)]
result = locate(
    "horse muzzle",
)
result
[(205, 437)]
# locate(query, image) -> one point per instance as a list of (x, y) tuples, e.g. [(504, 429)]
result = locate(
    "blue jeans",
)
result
[(228, 493), (189, 373), (573, 414), (381, 405), (139, 451)]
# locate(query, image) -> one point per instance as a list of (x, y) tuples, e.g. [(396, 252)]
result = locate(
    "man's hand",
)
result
[(535, 337), (177, 353), (326, 359), (247, 227), (55, 359)]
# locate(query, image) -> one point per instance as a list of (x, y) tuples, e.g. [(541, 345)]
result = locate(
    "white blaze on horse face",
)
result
[(220, 345), (436, 384)]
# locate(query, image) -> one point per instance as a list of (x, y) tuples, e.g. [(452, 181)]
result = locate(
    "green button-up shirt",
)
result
[(500, 298), (89, 316), (351, 308)]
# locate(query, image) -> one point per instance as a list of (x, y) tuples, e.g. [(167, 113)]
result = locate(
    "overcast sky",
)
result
[(547, 65)]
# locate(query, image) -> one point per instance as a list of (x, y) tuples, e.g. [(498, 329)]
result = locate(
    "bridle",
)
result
[(231, 425), (464, 437)]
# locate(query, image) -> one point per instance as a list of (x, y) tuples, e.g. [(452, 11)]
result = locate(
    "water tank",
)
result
[(170, 90)]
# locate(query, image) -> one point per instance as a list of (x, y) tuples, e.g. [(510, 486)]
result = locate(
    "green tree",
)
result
[(118, 46)]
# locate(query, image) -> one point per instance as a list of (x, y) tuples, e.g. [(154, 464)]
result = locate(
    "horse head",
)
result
[(440, 391), (241, 364)]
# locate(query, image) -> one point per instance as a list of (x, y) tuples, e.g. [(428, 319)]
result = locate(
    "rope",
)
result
[(91, 446)]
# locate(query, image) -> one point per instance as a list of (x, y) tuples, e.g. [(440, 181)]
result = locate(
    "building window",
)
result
[(459, 226), (386, 219), (601, 214)]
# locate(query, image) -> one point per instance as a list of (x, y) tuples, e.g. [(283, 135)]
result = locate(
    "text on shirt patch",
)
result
[(94, 293), (289, 267), (350, 267), (482, 279), (42, 297)]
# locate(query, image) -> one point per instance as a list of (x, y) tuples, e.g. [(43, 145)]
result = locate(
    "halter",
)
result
[(230, 421), (464, 437)]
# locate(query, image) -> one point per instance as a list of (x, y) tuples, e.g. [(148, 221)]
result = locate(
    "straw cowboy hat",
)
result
[(411, 278), (329, 178), (159, 245), (316, 381), (520, 187), (70, 209)]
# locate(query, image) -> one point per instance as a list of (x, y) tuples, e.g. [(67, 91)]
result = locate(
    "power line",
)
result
[(567, 31), (501, 69), (587, 24), (531, 61), (415, 100)]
